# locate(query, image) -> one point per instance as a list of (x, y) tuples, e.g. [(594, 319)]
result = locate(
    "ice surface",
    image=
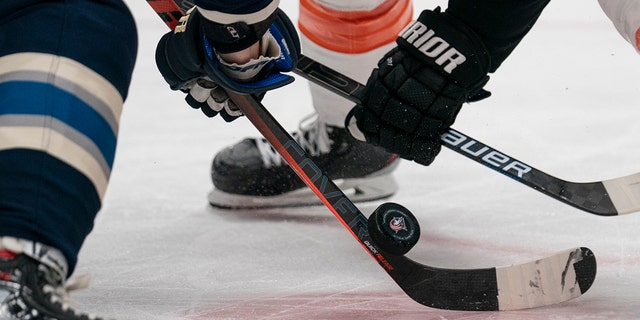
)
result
[(566, 102)]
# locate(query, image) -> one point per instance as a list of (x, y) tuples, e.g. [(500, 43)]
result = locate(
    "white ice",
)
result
[(566, 101)]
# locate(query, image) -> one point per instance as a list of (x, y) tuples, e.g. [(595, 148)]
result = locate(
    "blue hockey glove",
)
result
[(190, 59), (416, 92)]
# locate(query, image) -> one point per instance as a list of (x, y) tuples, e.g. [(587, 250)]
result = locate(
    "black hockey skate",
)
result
[(251, 174), (30, 290)]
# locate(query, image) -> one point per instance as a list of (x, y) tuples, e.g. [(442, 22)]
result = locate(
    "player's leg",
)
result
[(65, 68), (625, 15), (349, 36)]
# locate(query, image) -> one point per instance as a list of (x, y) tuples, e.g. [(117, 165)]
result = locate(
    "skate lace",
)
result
[(312, 136)]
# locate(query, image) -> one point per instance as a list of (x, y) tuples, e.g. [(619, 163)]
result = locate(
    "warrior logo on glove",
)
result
[(432, 46)]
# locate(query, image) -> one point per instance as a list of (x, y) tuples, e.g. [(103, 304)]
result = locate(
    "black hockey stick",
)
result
[(506, 288), (606, 198), (560, 277)]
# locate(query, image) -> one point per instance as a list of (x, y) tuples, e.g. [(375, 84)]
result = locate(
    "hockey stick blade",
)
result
[(561, 277), (606, 198)]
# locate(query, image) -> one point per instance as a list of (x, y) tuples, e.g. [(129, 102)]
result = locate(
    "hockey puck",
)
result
[(394, 228)]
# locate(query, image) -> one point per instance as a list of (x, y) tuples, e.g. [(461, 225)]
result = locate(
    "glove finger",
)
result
[(429, 128), (208, 111), (378, 98), (193, 103), (227, 117), (396, 142), (214, 105), (200, 93), (219, 102), (402, 116), (369, 124), (425, 151), (231, 109), (206, 82), (217, 99), (219, 95)]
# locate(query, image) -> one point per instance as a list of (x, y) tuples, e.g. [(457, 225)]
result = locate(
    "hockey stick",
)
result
[(606, 198), (554, 279)]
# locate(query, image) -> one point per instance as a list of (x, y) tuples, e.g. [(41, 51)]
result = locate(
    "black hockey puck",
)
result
[(394, 228)]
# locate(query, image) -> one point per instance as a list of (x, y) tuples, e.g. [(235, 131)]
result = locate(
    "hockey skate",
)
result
[(251, 174), (30, 290)]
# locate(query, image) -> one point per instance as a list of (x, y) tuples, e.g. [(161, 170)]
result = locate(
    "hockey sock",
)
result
[(349, 36)]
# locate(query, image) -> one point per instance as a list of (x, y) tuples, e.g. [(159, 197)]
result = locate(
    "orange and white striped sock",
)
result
[(350, 37)]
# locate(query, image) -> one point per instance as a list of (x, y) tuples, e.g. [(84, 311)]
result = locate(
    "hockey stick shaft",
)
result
[(607, 198), (472, 289), (313, 176)]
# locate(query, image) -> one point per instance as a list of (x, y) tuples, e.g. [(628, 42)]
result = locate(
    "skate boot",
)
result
[(32, 290), (251, 174)]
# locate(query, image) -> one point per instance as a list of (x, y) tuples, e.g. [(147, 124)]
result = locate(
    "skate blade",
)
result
[(357, 190)]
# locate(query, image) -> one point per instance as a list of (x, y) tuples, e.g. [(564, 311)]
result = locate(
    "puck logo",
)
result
[(397, 223)]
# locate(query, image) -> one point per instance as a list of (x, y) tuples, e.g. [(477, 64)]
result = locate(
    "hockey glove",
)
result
[(190, 59), (416, 92)]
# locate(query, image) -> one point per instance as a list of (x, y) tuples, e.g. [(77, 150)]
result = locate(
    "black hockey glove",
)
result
[(189, 59), (416, 92)]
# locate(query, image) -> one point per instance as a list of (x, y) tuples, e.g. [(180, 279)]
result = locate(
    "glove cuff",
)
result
[(285, 37), (235, 32)]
